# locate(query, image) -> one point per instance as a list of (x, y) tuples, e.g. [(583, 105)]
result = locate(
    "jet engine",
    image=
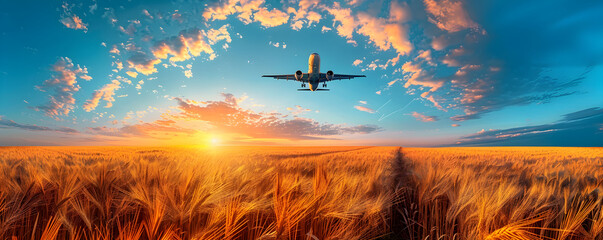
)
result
[(330, 75), (299, 75)]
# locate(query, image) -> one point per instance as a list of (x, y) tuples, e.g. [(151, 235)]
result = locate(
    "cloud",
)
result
[(480, 96), (455, 125), (74, 22), (271, 18), (298, 110), (227, 116), (579, 128), (143, 63), (5, 123), (132, 74), (160, 129), (188, 73), (364, 109), (190, 42), (449, 15), (114, 50), (586, 113), (425, 55), (70, 20), (325, 29), (383, 33), (106, 93), (62, 85), (357, 62), (345, 18), (424, 118), (415, 75), (492, 73), (221, 10), (304, 14), (252, 10), (440, 43)]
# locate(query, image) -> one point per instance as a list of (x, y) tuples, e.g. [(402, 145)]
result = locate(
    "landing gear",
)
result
[(324, 85), (303, 85)]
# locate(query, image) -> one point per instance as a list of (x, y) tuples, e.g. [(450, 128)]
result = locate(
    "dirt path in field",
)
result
[(402, 188)]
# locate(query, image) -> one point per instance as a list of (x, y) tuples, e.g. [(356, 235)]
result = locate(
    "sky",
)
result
[(438, 73)]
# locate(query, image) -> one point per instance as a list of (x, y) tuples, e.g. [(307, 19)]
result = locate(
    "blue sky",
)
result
[(439, 73)]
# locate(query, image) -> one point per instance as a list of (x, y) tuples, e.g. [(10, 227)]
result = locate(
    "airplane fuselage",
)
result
[(313, 71)]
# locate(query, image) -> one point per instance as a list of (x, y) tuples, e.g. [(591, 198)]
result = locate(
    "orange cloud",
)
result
[(398, 12), (132, 74), (227, 117), (106, 93), (157, 129), (303, 14), (439, 43), (143, 63), (271, 18), (435, 103), (216, 35), (424, 118), (70, 20), (298, 110), (415, 72), (425, 55), (449, 15), (252, 10), (114, 50), (221, 10), (364, 109), (74, 22), (346, 20), (190, 42), (383, 33), (62, 84), (416, 76)]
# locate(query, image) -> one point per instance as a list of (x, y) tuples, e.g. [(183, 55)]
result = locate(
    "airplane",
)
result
[(313, 77)]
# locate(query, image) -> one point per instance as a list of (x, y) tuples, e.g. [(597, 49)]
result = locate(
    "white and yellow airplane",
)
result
[(313, 77)]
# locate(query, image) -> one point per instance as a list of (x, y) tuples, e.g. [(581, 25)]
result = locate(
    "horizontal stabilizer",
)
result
[(306, 89), (303, 89)]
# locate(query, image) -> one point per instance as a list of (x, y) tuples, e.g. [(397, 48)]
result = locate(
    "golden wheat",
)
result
[(193, 193), (300, 193), (489, 193)]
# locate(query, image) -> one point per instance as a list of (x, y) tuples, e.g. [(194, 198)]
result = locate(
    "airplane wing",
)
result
[(323, 77), (285, 77)]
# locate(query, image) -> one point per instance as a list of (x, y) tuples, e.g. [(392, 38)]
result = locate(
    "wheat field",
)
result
[(300, 193), (501, 193)]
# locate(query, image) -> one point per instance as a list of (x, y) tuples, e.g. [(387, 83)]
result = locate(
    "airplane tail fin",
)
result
[(306, 89)]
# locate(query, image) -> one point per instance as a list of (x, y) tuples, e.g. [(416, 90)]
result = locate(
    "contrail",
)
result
[(385, 116), (383, 105)]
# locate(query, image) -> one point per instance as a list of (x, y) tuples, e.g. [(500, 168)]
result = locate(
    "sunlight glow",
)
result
[(214, 141)]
